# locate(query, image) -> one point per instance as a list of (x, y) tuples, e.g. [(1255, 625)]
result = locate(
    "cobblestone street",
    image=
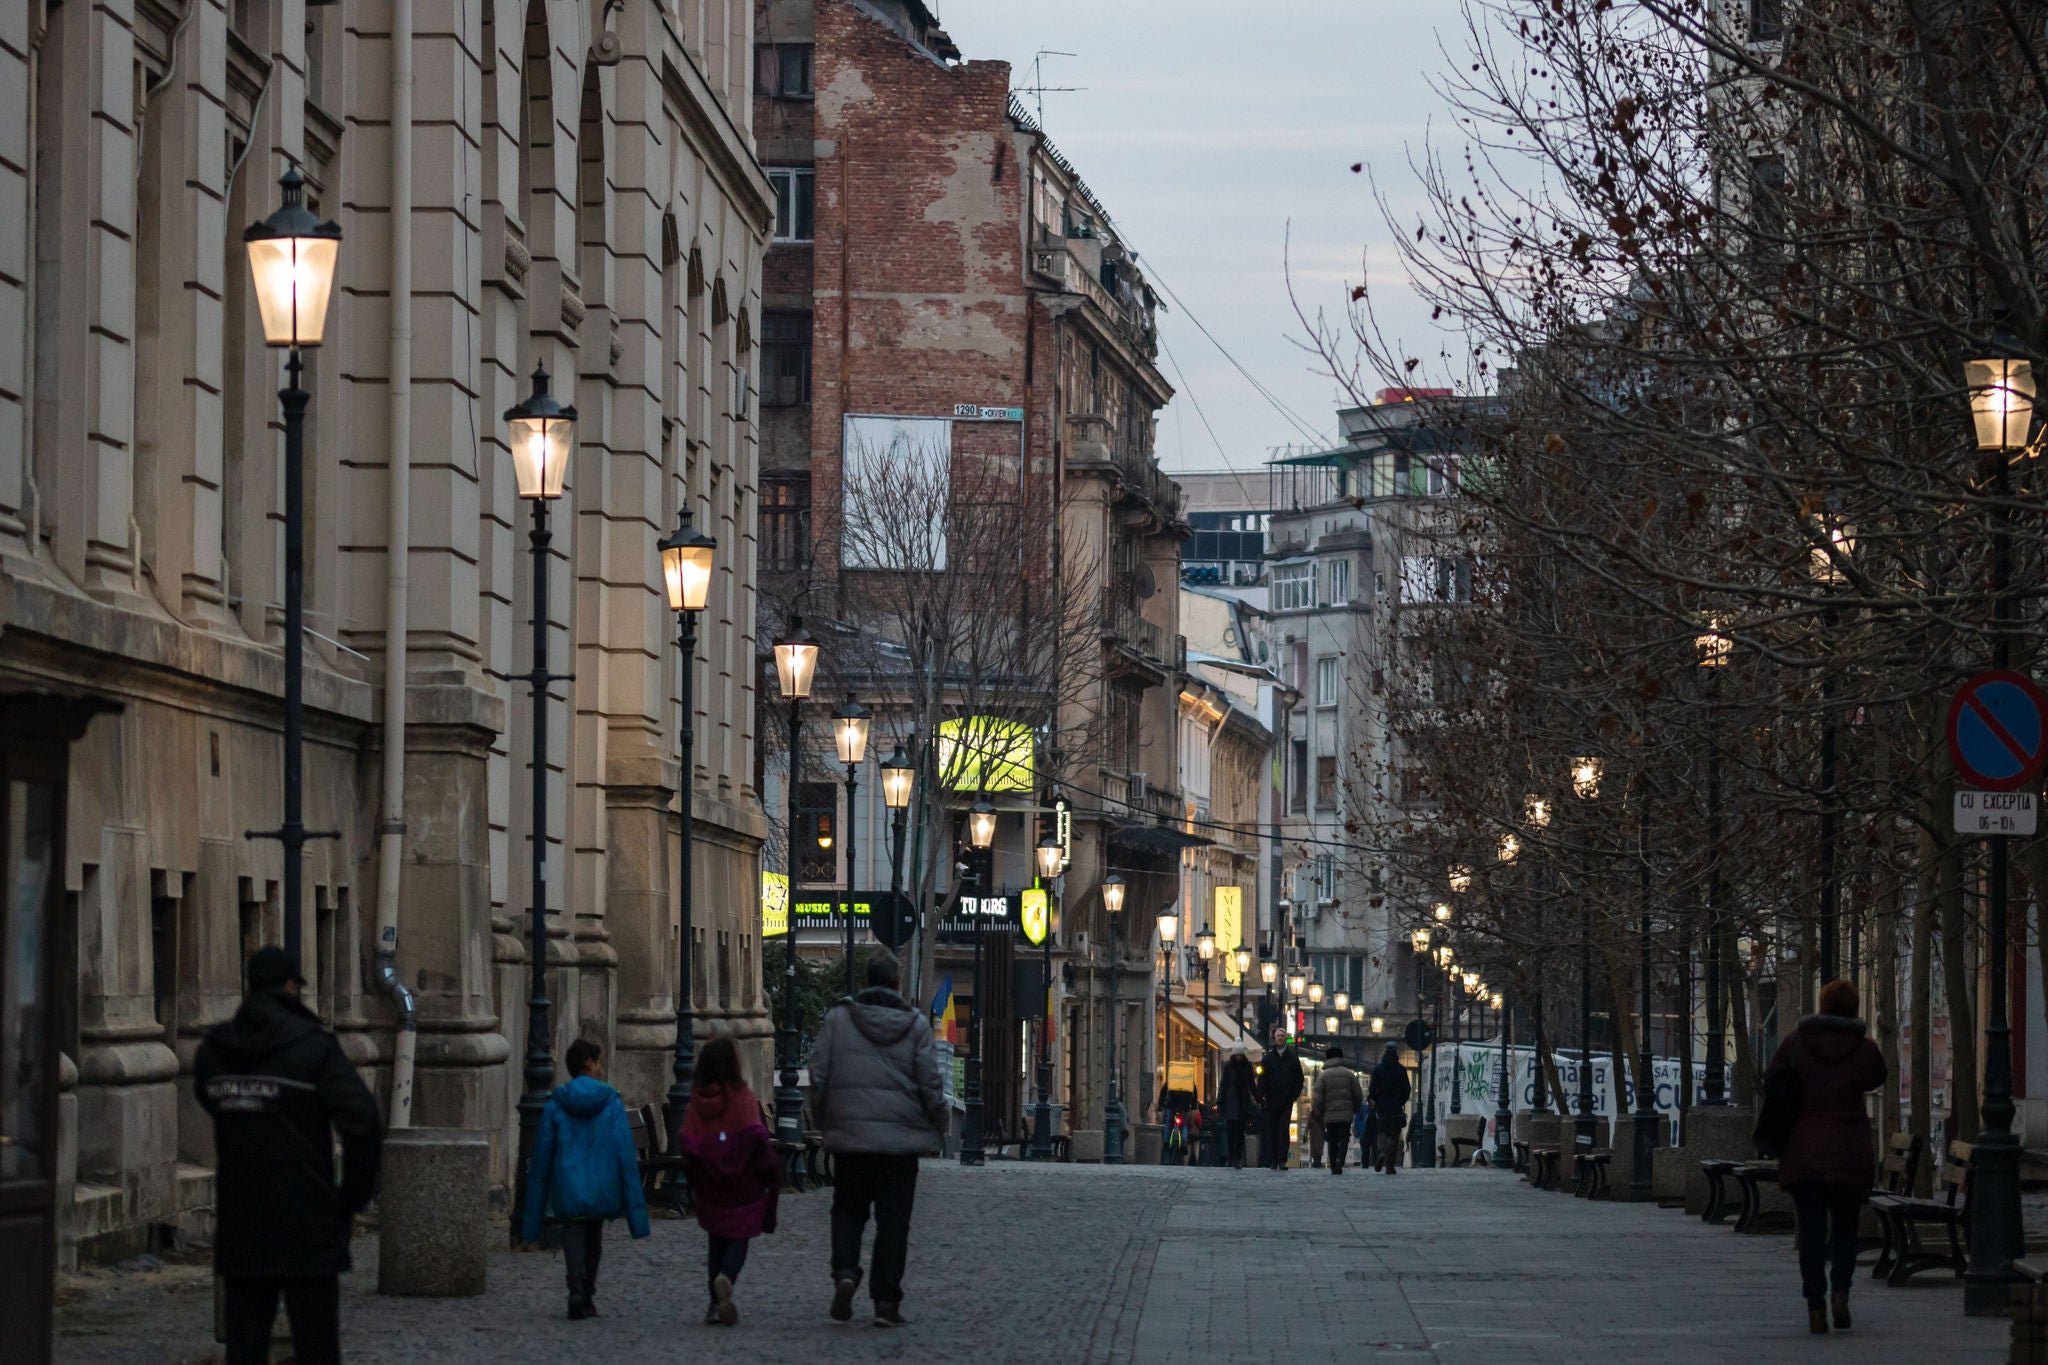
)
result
[(1086, 1263)]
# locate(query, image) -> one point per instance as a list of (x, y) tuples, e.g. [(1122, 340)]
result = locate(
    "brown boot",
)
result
[(1817, 1321), (1840, 1303)]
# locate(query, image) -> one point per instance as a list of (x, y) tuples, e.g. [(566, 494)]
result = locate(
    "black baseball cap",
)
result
[(272, 968)]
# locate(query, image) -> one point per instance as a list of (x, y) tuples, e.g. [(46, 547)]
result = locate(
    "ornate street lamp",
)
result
[(2001, 382), (1714, 651), (1458, 878), (686, 557), (1379, 1025), (850, 722), (1205, 949), (1050, 855), (796, 666), (1315, 992), (292, 256), (1510, 848), (542, 433), (1419, 938), (1503, 1113), (1241, 958), (898, 779), (1442, 911), (981, 836), (1586, 775), (1113, 1124)]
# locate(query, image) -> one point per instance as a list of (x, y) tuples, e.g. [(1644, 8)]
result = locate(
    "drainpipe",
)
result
[(391, 833)]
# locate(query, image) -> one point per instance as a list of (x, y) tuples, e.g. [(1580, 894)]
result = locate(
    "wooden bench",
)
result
[(661, 1171), (1521, 1157), (1895, 1180), (1544, 1166), (1589, 1174), (1752, 1177), (1720, 1204), (1904, 1216), (1461, 1150)]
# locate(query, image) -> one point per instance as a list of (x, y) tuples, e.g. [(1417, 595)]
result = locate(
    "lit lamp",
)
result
[(1536, 810), (1297, 984), (981, 825), (1510, 848), (850, 722), (1460, 879), (1498, 999), (1358, 1014), (1169, 923), (1242, 960), (541, 433), (292, 256), (1471, 983), (1342, 1001), (686, 560), (897, 775), (1330, 1025), (1442, 911), (1444, 956), (1713, 646), (1315, 992), (2001, 383), (1269, 970), (1049, 855), (1205, 943), (1420, 938), (1586, 773), (1113, 896), (796, 666), (1379, 1025)]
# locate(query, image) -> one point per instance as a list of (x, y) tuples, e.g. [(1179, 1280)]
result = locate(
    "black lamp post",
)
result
[(1168, 924), (2002, 402), (1503, 1112), (1422, 1136), (1241, 958), (898, 778), (1713, 650), (796, 667), (981, 836), (1469, 981), (686, 573), (292, 256), (543, 435), (1269, 972), (850, 722), (1205, 949), (1113, 1123), (1642, 1180), (1051, 856), (1827, 567), (1586, 773)]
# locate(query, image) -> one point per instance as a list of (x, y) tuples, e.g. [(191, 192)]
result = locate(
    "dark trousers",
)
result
[(582, 1249), (313, 1303), (728, 1256), (888, 1182), (1233, 1135), (1336, 1140), (1274, 1152), (1828, 1215)]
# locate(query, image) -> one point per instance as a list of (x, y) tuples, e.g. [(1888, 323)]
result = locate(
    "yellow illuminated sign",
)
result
[(1037, 914), (984, 754), (774, 904), (1229, 928)]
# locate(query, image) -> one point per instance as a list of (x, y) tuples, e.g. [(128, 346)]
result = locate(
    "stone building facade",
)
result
[(937, 262), (571, 190)]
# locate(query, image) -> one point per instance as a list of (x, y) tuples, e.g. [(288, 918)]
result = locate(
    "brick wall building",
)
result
[(941, 280)]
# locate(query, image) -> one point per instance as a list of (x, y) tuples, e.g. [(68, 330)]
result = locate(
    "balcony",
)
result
[(1090, 441), (1123, 625)]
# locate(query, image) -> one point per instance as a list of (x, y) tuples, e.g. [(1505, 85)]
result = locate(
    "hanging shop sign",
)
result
[(1035, 907), (992, 914)]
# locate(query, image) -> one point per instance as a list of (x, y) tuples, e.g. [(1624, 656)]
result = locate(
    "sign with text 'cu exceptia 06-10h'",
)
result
[(1998, 741)]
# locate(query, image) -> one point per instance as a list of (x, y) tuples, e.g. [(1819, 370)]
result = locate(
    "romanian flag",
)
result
[(945, 1023)]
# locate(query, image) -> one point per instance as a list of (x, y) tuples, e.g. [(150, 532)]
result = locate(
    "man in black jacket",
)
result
[(279, 1089), (1280, 1085)]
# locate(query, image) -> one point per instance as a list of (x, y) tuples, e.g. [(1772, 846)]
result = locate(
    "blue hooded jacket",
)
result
[(584, 1165)]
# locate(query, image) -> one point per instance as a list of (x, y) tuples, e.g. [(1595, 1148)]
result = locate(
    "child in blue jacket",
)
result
[(584, 1172)]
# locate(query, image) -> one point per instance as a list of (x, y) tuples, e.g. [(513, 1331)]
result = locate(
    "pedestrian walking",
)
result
[(875, 1094), (735, 1177), (280, 1089), (1388, 1093), (584, 1173), (1236, 1100), (1333, 1103), (1818, 1080), (1279, 1087)]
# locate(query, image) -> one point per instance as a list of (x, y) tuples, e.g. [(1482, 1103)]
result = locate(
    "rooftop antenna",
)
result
[(1038, 89)]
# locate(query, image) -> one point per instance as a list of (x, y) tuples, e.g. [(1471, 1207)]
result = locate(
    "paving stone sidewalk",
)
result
[(1058, 1264)]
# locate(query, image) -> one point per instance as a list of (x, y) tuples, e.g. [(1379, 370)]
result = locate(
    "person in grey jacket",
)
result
[(876, 1096)]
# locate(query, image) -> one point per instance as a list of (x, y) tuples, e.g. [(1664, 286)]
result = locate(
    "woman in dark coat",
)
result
[(1387, 1093), (1827, 1166), (1235, 1099)]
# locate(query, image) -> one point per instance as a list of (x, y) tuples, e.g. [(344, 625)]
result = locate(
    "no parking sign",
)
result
[(1998, 741)]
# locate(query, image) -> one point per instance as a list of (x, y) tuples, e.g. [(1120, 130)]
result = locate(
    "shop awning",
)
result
[(1157, 838), (1219, 1030)]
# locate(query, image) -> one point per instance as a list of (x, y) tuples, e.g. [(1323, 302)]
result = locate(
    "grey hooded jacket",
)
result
[(875, 1077)]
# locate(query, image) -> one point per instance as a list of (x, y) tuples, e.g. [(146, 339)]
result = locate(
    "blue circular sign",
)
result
[(1997, 724)]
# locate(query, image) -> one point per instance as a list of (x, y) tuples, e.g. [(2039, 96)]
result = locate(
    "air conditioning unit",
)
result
[(1141, 788), (1081, 944)]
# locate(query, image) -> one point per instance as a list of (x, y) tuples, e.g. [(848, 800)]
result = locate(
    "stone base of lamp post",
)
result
[(1547, 1130), (1669, 1177), (1622, 1185), (1422, 1144), (1719, 1133)]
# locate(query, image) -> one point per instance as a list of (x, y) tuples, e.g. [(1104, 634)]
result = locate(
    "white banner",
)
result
[(1473, 1070)]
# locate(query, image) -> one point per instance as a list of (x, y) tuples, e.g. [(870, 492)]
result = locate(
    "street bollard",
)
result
[(433, 1210)]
